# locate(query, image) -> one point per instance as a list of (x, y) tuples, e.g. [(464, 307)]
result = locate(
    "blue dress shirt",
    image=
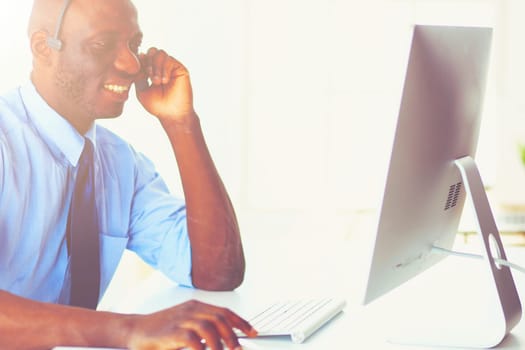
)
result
[(39, 151)]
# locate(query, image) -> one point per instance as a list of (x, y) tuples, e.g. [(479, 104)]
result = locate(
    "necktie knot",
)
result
[(85, 166), (86, 157)]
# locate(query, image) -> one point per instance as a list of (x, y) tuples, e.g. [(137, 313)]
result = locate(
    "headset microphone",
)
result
[(54, 42)]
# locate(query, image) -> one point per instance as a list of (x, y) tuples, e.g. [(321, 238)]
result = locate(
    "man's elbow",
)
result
[(225, 281)]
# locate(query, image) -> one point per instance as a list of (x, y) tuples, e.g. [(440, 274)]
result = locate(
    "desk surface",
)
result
[(447, 299)]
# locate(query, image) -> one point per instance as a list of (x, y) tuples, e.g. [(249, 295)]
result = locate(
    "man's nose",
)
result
[(127, 61)]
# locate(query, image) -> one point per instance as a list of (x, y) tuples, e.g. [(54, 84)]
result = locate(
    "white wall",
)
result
[(15, 60), (298, 98)]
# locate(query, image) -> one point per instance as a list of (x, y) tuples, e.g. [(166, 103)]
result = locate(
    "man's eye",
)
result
[(101, 46)]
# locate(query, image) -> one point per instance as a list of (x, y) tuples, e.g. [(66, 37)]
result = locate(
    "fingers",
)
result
[(209, 334), (215, 323), (222, 329), (163, 87), (231, 320), (157, 59), (241, 324), (159, 67), (191, 325)]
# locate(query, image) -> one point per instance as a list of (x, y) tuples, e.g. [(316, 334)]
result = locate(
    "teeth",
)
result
[(119, 89)]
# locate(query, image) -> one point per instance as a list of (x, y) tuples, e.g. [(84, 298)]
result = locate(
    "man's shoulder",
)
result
[(113, 143), (11, 98), (12, 110), (118, 152), (106, 136)]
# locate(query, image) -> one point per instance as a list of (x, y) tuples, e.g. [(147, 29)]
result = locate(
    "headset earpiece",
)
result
[(54, 43)]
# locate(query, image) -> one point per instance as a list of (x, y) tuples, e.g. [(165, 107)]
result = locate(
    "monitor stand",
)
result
[(508, 298), (475, 306)]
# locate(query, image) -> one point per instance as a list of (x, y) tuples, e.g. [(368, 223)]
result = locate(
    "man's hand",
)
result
[(163, 86), (191, 325)]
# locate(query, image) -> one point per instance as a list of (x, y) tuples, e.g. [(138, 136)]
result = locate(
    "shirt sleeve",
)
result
[(3, 165), (158, 230)]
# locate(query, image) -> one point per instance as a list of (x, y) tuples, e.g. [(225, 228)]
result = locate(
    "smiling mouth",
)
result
[(118, 89)]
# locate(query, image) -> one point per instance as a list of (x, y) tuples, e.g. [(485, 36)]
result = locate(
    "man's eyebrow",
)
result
[(115, 34)]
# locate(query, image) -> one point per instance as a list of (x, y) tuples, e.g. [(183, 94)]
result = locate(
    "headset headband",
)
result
[(54, 42)]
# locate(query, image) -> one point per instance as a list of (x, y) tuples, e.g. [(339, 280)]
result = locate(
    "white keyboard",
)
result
[(296, 318)]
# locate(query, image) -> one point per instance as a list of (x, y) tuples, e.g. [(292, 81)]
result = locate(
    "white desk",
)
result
[(278, 268)]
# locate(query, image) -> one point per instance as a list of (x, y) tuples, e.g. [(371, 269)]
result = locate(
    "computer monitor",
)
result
[(432, 167)]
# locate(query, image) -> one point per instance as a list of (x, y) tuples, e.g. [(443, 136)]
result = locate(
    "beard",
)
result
[(80, 93), (71, 82)]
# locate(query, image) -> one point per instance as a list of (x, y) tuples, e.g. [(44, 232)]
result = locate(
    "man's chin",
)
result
[(109, 116), (111, 113)]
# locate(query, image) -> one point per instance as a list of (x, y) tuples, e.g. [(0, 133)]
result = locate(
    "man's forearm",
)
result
[(27, 324), (217, 253), (32, 325)]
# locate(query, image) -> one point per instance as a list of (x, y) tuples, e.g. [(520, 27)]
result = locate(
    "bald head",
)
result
[(45, 14)]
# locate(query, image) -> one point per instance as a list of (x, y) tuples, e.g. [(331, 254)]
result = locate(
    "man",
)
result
[(44, 126)]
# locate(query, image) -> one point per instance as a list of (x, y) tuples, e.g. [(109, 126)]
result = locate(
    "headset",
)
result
[(54, 42)]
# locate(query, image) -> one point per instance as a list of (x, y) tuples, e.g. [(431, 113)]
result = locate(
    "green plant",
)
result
[(521, 148)]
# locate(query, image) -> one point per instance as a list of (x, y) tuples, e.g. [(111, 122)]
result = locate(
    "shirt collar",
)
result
[(55, 130)]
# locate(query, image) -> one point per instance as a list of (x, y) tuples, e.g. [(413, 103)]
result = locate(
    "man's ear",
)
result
[(42, 53)]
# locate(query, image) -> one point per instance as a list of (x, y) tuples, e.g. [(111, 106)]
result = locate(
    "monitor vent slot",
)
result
[(453, 195)]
